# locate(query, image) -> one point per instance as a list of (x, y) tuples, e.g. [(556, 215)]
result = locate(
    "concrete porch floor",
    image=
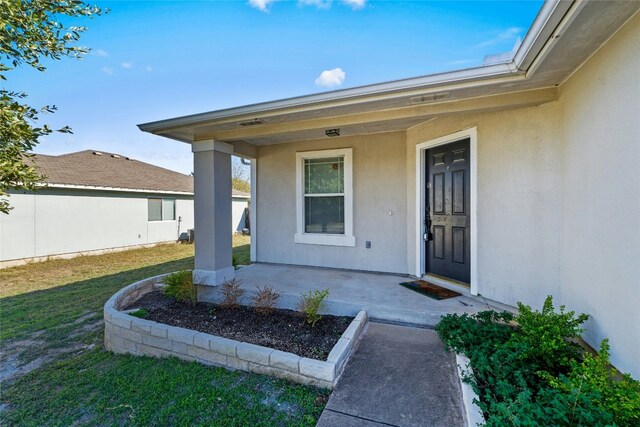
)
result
[(351, 291)]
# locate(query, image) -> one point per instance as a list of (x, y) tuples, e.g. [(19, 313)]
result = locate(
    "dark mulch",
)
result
[(284, 330)]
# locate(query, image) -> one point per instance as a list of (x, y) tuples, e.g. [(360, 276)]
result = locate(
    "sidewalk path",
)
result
[(398, 376)]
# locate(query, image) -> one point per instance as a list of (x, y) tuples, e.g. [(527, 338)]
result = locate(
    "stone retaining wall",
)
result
[(129, 334)]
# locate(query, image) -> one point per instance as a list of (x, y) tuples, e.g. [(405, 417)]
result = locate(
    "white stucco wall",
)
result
[(378, 188), (600, 269), (238, 205), (53, 222)]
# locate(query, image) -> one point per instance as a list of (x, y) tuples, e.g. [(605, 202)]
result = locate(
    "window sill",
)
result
[(325, 239)]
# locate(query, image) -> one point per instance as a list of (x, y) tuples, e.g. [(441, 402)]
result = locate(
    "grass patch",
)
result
[(100, 388), (51, 312), (242, 249), (51, 296)]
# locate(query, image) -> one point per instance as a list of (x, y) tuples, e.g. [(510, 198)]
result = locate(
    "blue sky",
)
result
[(156, 60)]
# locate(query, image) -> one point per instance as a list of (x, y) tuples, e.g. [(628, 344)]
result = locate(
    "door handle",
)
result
[(428, 235)]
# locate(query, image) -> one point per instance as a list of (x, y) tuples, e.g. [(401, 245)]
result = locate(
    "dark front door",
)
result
[(447, 216)]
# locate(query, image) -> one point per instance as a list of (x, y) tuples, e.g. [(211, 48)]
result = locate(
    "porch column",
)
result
[(212, 212)]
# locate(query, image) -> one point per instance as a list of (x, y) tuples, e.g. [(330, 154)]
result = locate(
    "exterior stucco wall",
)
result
[(518, 200), (559, 197), (238, 205), (600, 270), (379, 182), (55, 221)]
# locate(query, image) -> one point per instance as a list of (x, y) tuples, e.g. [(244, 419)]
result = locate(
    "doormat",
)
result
[(430, 290)]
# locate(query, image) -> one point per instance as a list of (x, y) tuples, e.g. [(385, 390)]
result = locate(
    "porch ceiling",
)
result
[(563, 37)]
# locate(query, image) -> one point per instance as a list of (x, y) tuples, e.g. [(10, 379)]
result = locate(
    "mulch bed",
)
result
[(284, 330)]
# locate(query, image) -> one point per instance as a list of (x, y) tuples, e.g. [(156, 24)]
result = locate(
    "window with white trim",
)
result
[(324, 198), (161, 209)]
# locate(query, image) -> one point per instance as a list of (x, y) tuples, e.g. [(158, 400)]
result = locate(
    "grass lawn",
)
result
[(51, 336)]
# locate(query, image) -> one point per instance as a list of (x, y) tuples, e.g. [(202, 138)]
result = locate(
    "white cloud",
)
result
[(149, 69), (330, 78), (326, 4), (100, 52), (107, 70), (320, 4), (508, 34), (355, 4), (127, 64), (262, 5)]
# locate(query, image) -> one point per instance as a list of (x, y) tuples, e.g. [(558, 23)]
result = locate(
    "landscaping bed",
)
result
[(528, 369), (284, 330)]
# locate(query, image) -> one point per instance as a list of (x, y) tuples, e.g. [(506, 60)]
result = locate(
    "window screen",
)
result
[(155, 209), (168, 209), (324, 195)]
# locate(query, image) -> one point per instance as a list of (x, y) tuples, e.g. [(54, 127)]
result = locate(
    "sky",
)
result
[(157, 60)]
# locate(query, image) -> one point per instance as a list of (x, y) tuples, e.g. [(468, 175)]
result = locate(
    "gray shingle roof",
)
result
[(110, 170), (88, 168)]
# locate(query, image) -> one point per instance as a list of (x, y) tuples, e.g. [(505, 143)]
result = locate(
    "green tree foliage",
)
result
[(30, 31), (240, 176), (240, 185)]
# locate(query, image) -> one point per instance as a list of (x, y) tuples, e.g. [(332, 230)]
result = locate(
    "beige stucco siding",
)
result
[(518, 203), (559, 197), (379, 182), (600, 269)]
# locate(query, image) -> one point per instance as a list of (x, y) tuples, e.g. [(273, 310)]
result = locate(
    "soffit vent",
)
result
[(332, 132), (430, 97), (253, 122)]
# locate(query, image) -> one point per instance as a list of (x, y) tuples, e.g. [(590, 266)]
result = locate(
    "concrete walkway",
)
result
[(352, 291), (398, 376)]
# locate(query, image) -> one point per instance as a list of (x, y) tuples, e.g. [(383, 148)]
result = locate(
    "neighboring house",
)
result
[(240, 211), (520, 179), (96, 201)]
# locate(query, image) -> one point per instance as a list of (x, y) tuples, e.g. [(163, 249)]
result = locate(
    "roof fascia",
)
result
[(116, 189)]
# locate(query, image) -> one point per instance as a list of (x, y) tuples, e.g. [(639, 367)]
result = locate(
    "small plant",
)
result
[(265, 300), (234, 262), (141, 313), (232, 293), (180, 286), (311, 303), (545, 335)]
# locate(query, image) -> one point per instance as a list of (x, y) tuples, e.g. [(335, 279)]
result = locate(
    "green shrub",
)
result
[(141, 313), (180, 286), (311, 303), (529, 372), (544, 335)]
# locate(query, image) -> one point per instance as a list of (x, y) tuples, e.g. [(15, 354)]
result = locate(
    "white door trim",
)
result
[(472, 134)]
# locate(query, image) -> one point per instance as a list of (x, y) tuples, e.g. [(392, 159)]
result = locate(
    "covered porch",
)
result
[(379, 294)]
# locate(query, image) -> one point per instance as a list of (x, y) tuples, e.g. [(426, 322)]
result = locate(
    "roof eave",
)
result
[(550, 15)]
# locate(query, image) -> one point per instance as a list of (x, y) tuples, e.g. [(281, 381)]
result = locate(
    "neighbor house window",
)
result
[(161, 209), (324, 198)]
